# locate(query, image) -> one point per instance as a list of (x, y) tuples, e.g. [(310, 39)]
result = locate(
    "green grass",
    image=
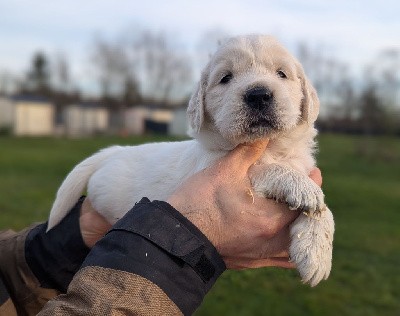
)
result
[(362, 187), (31, 170)]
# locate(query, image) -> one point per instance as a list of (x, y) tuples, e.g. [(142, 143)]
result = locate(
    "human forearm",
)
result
[(153, 261)]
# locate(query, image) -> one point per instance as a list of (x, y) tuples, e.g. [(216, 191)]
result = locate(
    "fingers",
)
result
[(245, 155), (280, 262), (93, 226), (273, 262), (316, 176), (87, 207)]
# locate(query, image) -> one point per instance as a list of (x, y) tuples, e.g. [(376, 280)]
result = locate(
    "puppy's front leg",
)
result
[(311, 246), (312, 232)]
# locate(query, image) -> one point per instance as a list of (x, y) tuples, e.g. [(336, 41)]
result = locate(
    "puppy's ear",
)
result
[(310, 102), (195, 111)]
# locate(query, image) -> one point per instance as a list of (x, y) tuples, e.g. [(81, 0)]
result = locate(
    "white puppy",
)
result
[(252, 88)]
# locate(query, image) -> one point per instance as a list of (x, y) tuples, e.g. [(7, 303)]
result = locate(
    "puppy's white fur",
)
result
[(220, 119)]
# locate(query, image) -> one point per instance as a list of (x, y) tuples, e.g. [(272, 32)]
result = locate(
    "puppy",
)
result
[(252, 88)]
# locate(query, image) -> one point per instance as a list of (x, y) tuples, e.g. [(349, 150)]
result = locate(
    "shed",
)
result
[(6, 113), (85, 119), (148, 118), (32, 116), (134, 120), (179, 123)]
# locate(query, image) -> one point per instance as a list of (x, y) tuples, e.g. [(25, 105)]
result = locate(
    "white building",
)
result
[(85, 119), (32, 116), (179, 124), (6, 113), (164, 120), (134, 120)]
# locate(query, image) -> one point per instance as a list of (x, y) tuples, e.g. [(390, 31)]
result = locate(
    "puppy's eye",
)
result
[(281, 74), (225, 79)]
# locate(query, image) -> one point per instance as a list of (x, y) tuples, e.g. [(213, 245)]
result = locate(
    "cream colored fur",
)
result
[(220, 119)]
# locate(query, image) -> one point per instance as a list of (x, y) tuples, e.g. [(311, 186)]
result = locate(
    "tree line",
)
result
[(368, 103), (146, 67)]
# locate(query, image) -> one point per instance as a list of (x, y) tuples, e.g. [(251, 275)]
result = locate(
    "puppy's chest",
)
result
[(302, 162)]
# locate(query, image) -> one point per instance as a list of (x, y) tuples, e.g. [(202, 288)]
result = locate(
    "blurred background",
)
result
[(79, 76)]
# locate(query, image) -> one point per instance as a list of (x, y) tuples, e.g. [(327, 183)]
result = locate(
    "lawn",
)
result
[(362, 186)]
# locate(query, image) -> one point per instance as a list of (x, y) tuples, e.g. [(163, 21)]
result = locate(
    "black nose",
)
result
[(258, 97)]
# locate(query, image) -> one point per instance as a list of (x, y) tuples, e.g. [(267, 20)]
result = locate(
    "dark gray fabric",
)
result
[(54, 257), (155, 241)]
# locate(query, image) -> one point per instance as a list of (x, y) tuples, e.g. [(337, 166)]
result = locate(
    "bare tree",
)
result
[(131, 94), (386, 69), (164, 67), (112, 67), (373, 116), (333, 80), (116, 76), (382, 76), (61, 73)]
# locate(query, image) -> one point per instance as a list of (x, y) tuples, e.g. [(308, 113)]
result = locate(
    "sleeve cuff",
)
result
[(155, 241), (54, 257)]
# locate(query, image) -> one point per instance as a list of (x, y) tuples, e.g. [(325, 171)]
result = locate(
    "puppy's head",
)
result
[(251, 88)]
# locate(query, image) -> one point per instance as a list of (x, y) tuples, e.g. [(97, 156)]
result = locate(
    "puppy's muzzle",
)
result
[(258, 98)]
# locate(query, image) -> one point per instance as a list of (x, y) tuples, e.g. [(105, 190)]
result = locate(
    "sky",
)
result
[(352, 30)]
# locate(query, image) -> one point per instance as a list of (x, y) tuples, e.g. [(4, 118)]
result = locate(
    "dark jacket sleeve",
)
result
[(152, 262), (35, 266), (54, 257), (6, 304)]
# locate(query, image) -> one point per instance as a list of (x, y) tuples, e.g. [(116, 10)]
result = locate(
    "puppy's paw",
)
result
[(288, 186), (311, 246)]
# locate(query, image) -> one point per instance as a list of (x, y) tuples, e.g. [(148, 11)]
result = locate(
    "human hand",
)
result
[(248, 231), (93, 226), (316, 176)]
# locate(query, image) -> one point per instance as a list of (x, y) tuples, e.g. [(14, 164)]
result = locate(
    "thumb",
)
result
[(245, 155)]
